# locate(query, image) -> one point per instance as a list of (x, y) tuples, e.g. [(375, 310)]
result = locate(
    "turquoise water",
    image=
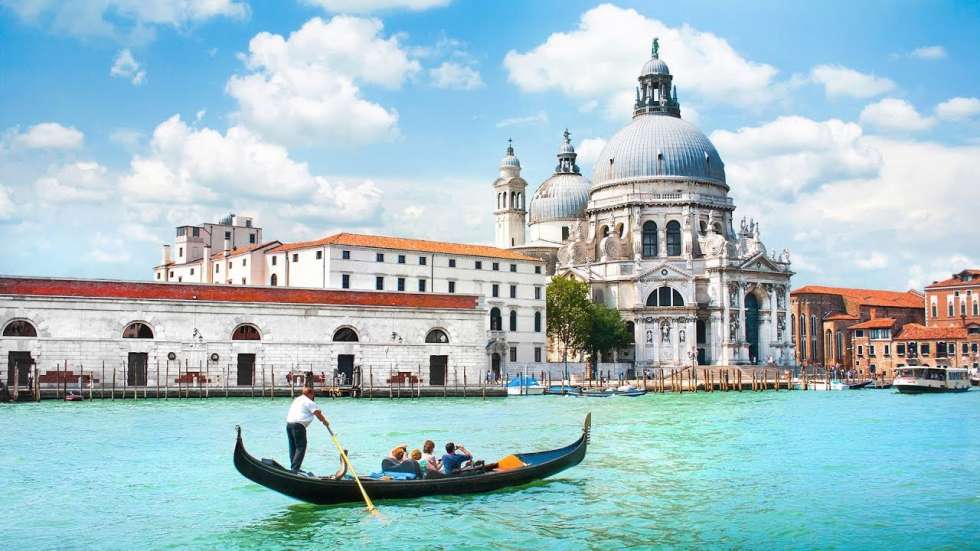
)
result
[(831, 470)]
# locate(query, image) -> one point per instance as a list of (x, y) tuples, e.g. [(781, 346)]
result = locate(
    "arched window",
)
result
[(537, 322), (274, 280), (665, 297), (649, 239), (137, 330), (246, 332), (19, 328), (345, 334), (496, 322), (513, 320), (437, 336), (792, 327), (673, 238)]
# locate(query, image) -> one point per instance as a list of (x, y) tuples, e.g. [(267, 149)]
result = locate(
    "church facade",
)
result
[(654, 235)]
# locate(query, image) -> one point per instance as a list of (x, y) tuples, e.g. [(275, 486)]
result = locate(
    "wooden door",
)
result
[(437, 370), (136, 369), (246, 369)]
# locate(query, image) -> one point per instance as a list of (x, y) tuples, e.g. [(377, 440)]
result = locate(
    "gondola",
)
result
[(328, 490)]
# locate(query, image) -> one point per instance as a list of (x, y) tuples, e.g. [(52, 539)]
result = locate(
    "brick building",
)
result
[(821, 319), (955, 302)]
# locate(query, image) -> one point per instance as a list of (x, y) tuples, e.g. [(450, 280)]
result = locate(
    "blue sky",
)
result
[(851, 130)]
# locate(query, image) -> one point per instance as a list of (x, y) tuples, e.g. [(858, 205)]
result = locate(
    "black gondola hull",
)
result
[(326, 491)]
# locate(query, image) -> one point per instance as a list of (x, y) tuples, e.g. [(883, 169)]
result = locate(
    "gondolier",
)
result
[(301, 413)]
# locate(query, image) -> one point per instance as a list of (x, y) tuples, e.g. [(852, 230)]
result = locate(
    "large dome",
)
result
[(658, 146), (560, 197)]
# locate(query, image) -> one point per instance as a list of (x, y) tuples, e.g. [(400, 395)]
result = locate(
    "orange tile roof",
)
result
[(840, 316), (876, 323), (400, 243), (868, 297), (915, 331), (956, 280), (139, 290), (242, 250)]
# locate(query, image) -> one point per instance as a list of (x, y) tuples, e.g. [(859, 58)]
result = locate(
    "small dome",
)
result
[(655, 66), (560, 197), (658, 146), (511, 161)]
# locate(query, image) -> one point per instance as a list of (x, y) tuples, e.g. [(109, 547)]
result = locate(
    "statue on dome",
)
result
[(656, 47)]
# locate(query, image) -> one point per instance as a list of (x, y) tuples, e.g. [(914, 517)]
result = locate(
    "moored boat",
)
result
[(563, 390), (521, 469), (923, 379), (629, 391), (523, 385)]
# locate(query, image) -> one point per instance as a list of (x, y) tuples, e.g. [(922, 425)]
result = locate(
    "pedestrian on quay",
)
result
[(301, 413)]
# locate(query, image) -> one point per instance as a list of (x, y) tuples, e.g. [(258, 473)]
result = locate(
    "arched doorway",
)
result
[(752, 326), (495, 366)]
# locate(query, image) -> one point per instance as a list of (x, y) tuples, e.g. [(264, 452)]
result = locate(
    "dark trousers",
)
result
[(296, 433)]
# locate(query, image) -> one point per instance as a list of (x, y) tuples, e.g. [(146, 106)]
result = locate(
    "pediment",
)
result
[(759, 263), (574, 273), (665, 271)]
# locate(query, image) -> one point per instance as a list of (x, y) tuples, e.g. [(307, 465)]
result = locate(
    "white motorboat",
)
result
[(922, 379), (524, 386)]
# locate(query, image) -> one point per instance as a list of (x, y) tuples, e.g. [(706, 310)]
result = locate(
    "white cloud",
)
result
[(958, 109), (107, 249), (891, 114), (129, 138), (304, 90), (838, 80), (126, 66), (613, 43), (455, 76), (192, 166), (49, 135), (538, 118), (79, 182), (929, 52), (873, 261), (792, 154), (131, 21), (7, 208), (366, 6), (588, 151)]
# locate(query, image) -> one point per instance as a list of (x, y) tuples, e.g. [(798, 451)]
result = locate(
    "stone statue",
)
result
[(733, 294), (655, 50), (665, 331), (682, 335), (733, 324), (649, 337), (785, 256)]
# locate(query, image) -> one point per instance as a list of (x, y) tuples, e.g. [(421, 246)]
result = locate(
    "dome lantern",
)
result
[(656, 94)]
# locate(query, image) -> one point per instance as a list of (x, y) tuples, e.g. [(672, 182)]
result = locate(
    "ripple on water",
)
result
[(733, 470)]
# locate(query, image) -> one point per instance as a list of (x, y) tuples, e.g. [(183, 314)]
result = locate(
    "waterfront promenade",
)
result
[(723, 470)]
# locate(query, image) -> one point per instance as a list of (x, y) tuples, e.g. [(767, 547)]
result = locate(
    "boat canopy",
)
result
[(520, 380)]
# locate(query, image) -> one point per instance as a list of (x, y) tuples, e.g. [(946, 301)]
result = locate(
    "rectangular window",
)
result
[(273, 260), (495, 290), (900, 349), (871, 351), (924, 349), (180, 251), (537, 293), (935, 313), (951, 348), (243, 281), (401, 259), (478, 265), (452, 262), (421, 285), (192, 271), (295, 257), (243, 261), (158, 275), (888, 350), (966, 349), (196, 232), (401, 284), (513, 353), (345, 281), (976, 308), (949, 309), (452, 286), (422, 261), (496, 266), (513, 267), (860, 350), (379, 257), (251, 238), (537, 269), (513, 291), (537, 354), (319, 255), (229, 265), (962, 307), (379, 283), (227, 235), (217, 268), (345, 255)]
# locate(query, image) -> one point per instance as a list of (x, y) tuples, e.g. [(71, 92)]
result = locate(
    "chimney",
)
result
[(227, 246), (206, 270), (167, 259)]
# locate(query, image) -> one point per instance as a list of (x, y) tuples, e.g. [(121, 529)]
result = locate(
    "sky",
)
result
[(849, 130)]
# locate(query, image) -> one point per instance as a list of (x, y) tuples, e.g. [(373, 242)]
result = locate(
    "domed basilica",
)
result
[(654, 236)]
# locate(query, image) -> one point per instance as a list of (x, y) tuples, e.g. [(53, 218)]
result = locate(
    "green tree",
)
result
[(606, 332), (568, 314)]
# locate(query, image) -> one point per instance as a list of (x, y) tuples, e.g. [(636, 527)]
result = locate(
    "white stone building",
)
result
[(654, 237), (150, 333)]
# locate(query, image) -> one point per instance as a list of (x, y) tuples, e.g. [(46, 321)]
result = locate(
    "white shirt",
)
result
[(301, 411)]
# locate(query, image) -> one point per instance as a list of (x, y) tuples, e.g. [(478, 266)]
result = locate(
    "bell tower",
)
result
[(510, 190)]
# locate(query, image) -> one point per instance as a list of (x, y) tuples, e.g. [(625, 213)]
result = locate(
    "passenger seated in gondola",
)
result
[(454, 458), (433, 463), (397, 465)]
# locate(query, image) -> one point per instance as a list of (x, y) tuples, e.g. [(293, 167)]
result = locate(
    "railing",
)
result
[(683, 197)]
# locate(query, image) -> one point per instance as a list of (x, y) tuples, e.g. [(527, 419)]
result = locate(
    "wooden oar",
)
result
[(367, 500)]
